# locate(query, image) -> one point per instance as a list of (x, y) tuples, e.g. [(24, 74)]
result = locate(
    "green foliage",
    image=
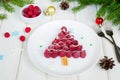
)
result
[(109, 9), (8, 5), (3, 16)]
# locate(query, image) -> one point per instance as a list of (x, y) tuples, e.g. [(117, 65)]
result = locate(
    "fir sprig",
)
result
[(110, 9), (8, 5), (3, 16)]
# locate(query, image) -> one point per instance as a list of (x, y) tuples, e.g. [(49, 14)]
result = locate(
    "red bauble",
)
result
[(6, 34), (27, 29), (22, 38), (99, 20)]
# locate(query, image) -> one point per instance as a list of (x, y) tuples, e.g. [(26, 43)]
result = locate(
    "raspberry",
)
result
[(61, 53), (79, 47), (30, 13), (22, 38), (6, 34), (38, 13), (33, 16), (68, 54), (25, 10), (54, 54), (76, 54), (56, 47), (61, 43), (64, 29), (30, 7), (83, 54), (61, 35), (55, 41), (68, 36), (72, 47), (26, 15), (75, 42), (65, 48), (27, 29), (47, 54), (51, 47), (36, 8), (68, 42)]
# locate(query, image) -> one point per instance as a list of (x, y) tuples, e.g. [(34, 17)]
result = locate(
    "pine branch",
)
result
[(21, 3), (101, 12), (8, 7), (77, 8), (56, 0), (3, 16)]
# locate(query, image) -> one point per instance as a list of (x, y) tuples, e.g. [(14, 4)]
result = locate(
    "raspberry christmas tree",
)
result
[(64, 45)]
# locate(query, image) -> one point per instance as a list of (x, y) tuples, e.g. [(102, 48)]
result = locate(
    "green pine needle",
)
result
[(3, 16), (77, 8), (56, 0), (8, 7)]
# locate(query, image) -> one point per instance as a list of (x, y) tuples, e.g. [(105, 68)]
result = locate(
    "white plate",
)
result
[(45, 34)]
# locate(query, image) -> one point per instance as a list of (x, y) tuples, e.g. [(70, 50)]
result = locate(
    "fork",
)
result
[(109, 32), (101, 34)]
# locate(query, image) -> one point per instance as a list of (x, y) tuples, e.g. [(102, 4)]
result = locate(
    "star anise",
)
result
[(107, 63)]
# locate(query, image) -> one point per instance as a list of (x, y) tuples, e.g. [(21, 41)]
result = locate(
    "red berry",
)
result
[(37, 8), (47, 54), (61, 43), (51, 47), (33, 16), (56, 47), (55, 41), (79, 47), (22, 38), (30, 13), (27, 29), (26, 15), (6, 34), (72, 47), (75, 42), (54, 54), (38, 13), (64, 29), (61, 53), (61, 35), (68, 54), (65, 48), (68, 42), (83, 54), (99, 20), (25, 10), (30, 7), (76, 54), (35, 12)]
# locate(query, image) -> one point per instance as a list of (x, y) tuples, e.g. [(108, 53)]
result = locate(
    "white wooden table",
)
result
[(15, 64)]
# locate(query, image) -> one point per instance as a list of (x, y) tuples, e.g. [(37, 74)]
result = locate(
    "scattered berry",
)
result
[(99, 20), (22, 38), (27, 29), (6, 34)]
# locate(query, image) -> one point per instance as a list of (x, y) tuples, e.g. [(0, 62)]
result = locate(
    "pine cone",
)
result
[(106, 63), (64, 5)]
